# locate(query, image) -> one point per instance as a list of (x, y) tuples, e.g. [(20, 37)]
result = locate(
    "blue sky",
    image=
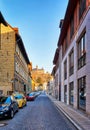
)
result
[(38, 23)]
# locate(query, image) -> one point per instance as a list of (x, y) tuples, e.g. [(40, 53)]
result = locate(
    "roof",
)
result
[(56, 56), (69, 12), (22, 48), (2, 20)]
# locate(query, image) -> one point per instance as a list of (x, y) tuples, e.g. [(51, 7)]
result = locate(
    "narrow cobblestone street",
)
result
[(45, 65), (40, 114)]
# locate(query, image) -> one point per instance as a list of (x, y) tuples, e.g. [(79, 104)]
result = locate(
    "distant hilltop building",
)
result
[(38, 70), (39, 76)]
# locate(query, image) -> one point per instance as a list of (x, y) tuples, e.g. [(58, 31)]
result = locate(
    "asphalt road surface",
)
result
[(40, 114)]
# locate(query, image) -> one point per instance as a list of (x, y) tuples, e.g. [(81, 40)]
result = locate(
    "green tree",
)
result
[(39, 80)]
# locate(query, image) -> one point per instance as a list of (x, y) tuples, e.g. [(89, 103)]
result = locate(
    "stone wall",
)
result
[(7, 58)]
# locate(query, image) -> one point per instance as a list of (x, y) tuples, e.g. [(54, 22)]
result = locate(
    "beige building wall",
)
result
[(7, 48), (13, 65)]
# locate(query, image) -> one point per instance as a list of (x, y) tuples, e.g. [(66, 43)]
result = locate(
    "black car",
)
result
[(8, 106)]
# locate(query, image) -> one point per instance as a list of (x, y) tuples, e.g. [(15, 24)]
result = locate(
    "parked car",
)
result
[(37, 93), (21, 99), (8, 106), (30, 96)]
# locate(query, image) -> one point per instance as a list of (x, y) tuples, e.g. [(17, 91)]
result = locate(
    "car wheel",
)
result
[(12, 114), (26, 104), (17, 109)]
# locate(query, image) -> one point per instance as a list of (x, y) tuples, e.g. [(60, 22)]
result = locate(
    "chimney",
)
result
[(61, 23)]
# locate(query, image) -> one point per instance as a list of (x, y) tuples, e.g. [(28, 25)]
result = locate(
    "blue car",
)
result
[(8, 106)]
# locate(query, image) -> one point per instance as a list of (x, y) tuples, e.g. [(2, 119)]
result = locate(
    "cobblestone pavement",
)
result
[(40, 114)]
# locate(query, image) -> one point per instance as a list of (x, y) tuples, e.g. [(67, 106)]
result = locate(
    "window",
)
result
[(71, 62), (65, 69), (1, 92), (9, 92), (7, 36), (17, 49), (81, 52), (72, 27), (66, 43), (82, 92), (82, 7), (63, 50), (56, 80), (65, 93), (17, 67), (71, 96)]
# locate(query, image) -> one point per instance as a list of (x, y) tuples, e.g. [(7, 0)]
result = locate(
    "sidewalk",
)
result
[(79, 119)]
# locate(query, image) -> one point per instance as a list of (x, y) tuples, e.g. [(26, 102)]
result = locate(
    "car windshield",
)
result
[(5, 100), (18, 97), (31, 94)]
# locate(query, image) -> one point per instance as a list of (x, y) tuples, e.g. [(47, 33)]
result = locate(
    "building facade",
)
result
[(14, 71), (56, 74), (74, 50)]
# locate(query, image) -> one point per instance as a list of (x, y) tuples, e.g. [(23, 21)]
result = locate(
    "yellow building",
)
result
[(33, 85)]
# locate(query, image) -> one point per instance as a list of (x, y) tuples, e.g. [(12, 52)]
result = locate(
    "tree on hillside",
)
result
[(39, 80)]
